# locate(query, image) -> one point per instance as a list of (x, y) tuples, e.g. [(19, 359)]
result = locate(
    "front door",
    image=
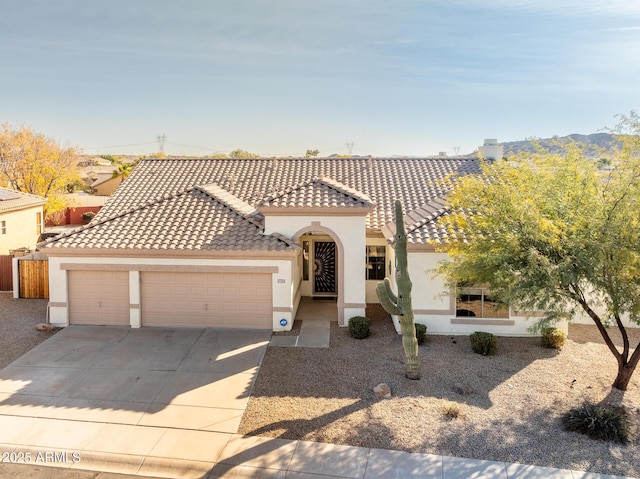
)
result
[(324, 268)]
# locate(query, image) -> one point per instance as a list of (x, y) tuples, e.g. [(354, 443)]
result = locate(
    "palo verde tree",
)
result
[(553, 233), (400, 304), (31, 162)]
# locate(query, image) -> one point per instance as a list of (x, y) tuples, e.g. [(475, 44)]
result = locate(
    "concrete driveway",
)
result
[(97, 395)]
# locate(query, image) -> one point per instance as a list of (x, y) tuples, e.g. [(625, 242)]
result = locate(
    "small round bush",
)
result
[(88, 216), (598, 421), (359, 327), (484, 343), (553, 338), (421, 333)]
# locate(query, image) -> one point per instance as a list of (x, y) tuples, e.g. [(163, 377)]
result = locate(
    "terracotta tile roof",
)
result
[(209, 203), (318, 192), (421, 224), (11, 200), (191, 219), (412, 180), (230, 200)]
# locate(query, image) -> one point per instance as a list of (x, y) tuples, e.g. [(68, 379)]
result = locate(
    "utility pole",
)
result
[(160, 139), (349, 148)]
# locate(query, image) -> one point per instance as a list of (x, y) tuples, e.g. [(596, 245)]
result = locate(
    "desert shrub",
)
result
[(484, 343), (553, 338), (359, 327), (88, 216), (598, 421), (421, 333), (451, 410)]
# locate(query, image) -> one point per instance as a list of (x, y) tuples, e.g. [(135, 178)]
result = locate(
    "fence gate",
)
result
[(6, 273), (34, 278)]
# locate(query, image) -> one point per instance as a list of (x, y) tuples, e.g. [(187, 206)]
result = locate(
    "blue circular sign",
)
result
[(283, 322)]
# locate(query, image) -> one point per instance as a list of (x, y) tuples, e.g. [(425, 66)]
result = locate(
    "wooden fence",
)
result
[(6, 273), (34, 278)]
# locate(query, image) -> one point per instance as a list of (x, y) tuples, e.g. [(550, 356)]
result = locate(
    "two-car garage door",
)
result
[(221, 300), (174, 299)]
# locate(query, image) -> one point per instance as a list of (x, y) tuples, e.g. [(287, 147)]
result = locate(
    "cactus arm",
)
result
[(389, 290), (386, 298)]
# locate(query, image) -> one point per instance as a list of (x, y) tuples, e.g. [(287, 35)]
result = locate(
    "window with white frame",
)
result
[(376, 258), (477, 301), (38, 223), (3, 227)]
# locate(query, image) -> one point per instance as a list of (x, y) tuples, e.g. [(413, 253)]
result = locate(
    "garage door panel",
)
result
[(230, 278), (262, 294), (232, 300), (99, 297)]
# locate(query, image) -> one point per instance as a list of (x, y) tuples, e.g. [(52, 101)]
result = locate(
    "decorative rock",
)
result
[(45, 327), (382, 390), (462, 389)]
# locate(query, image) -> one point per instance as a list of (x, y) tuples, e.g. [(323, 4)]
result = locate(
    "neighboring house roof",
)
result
[(161, 205), (319, 192), (104, 178), (95, 170), (192, 219), (11, 200)]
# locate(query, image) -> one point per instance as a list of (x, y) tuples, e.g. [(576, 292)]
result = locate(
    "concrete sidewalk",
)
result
[(231, 456)]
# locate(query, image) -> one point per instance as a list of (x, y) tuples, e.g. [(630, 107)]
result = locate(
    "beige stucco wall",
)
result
[(282, 291), (21, 229), (349, 233), (434, 304), (108, 187), (583, 318)]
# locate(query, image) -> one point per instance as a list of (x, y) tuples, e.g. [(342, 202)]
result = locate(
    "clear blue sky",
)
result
[(278, 77)]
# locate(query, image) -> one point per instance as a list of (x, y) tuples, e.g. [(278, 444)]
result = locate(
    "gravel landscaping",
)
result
[(509, 409), (18, 321)]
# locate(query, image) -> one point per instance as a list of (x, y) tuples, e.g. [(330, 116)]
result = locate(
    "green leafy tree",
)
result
[(239, 153), (123, 169), (552, 233), (158, 155), (34, 163), (311, 154)]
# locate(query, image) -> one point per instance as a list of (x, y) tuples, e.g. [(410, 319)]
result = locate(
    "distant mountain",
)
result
[(595, 142)]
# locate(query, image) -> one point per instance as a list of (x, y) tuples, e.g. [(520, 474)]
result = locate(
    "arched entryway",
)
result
[(322, 270)]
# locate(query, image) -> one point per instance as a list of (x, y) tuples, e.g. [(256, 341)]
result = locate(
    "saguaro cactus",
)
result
[(400, 305)]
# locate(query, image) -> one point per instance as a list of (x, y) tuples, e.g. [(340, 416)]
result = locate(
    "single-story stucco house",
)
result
[(238, 242)]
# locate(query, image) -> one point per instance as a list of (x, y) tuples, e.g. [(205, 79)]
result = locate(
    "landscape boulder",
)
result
[(382, 390)]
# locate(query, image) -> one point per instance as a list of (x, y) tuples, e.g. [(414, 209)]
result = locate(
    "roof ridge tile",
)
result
[(229, 199), (342, 188), (285, 191)]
